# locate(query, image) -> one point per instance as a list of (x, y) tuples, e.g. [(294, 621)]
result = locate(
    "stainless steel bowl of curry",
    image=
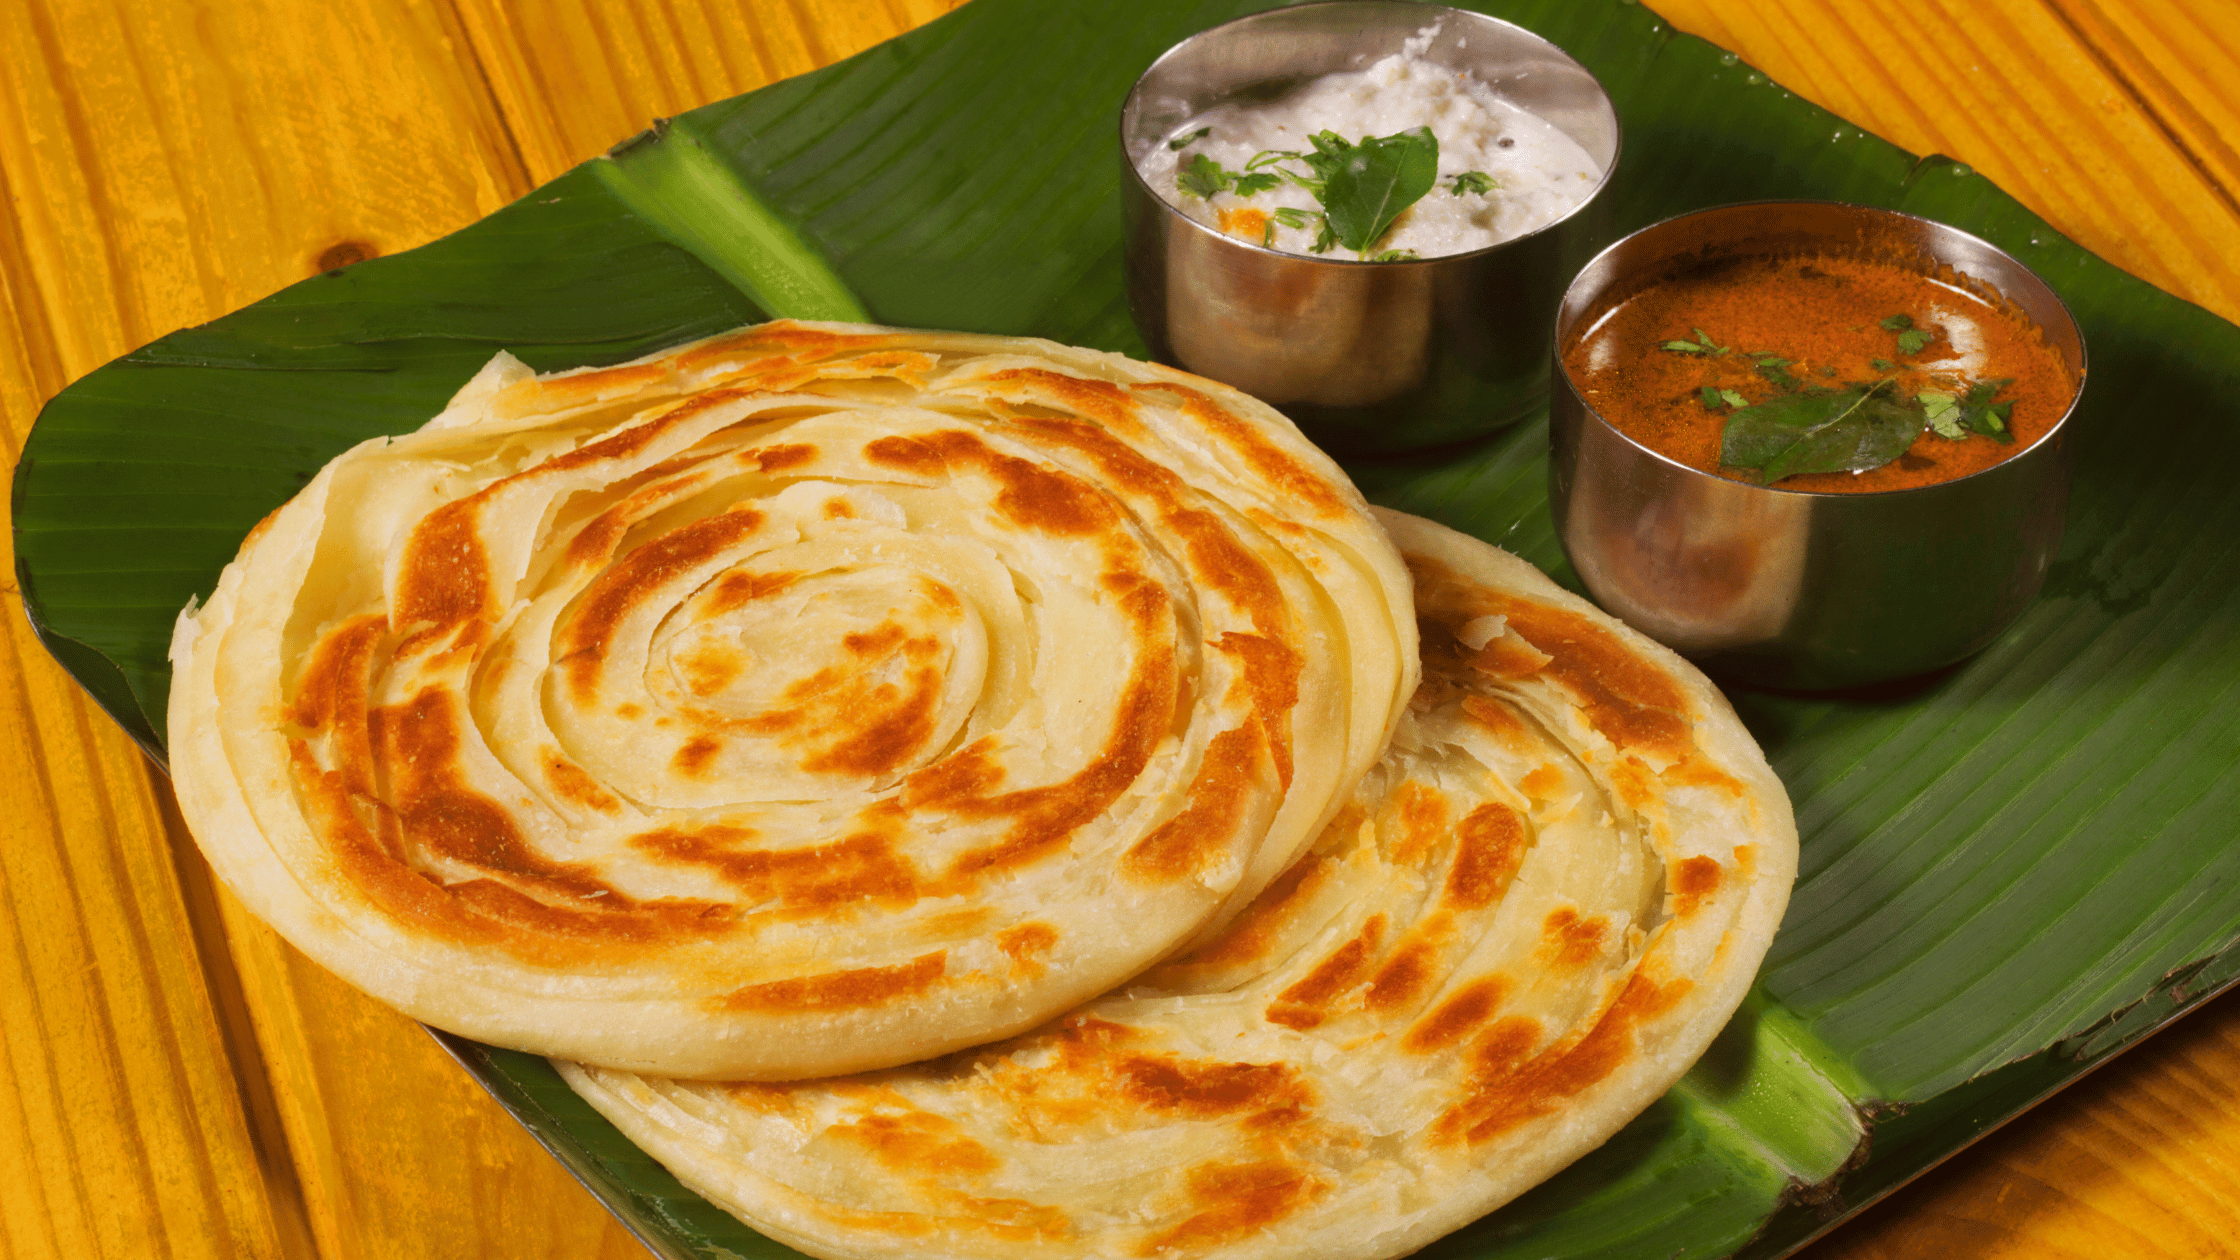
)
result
[(1812, 445)]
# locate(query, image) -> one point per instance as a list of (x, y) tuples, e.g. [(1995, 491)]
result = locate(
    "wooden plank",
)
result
[(574, 77), (187, 159), (2141, 1159), (2020, 90)]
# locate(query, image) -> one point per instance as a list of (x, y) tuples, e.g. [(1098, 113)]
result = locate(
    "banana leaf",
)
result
[(2011, 870)]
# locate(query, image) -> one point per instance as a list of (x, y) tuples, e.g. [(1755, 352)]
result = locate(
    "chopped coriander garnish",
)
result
[(1181, 142), (1897, 323), (1913, 339), (1268, 234), (1363, 185), (1394, 255), (1472, 182), (1201, 176), (1943, 413), (1715, 398), (1882, 365), (1292, 216)]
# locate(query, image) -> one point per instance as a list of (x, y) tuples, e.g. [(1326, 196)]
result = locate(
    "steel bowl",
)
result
[(1363, 356), (1795, 589)]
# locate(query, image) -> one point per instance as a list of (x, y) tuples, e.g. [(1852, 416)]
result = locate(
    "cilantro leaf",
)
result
[(1913, 339), (1821, 430), (1367, 185), (1734, 399), (1943, 412), (1201, 176), (1182, 142), (1291, 216), (1247, 185), (1394, 255), (1882, 365), (1711, 399), (1268, 234), (1979, 413), (1897, 323), (1473, 182), (1324, 237)]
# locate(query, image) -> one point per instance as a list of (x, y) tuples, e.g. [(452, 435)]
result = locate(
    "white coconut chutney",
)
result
[(1538, 173)]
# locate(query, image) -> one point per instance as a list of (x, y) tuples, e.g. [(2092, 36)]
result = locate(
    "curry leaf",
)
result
[(1472, 182), (1849, 430)]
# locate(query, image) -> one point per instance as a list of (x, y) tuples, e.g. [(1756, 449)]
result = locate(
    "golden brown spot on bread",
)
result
[(1261, 925), (1541, 783), (443, 578), (1199, 1090), (837, 509), (1026, 944), (842, 990), (571, 782), (1044, 818), (1569, 941), (1306, 1003), (1404, 979), (959, 779), (1420, 817), (1271, 678), (1490, 845), (1294, 481), (711, 667), (698, 755), (865, 867), (334, 685), (1507, 1090), (737, 589), (1509, 657), (1207, 826), (1238, 1200), (919, 1142), (1694, 880), (1031, 496), (1633, 702), (616, 592), (776, 459), (1458, 1016), (1101, 401)]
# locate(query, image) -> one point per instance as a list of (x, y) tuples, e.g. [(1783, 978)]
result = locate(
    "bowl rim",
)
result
[(1433, 13), (2044, 441)]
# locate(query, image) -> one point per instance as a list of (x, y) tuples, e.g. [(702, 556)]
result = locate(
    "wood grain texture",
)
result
[(177, 1082), (2037, 96)]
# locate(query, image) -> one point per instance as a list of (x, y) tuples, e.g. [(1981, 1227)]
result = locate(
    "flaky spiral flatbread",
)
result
[(813, 698), (1534, 914)]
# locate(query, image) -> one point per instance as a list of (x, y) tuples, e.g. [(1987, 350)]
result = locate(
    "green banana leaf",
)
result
[(2011, 870)]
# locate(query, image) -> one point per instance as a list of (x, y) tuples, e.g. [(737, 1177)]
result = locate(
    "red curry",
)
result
[(1828, 323)]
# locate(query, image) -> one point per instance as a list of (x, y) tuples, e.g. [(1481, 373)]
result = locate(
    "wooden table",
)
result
[(176, 1082)]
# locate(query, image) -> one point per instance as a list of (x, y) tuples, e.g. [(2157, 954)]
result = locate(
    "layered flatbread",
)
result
[(1532, 916), (809, 699)]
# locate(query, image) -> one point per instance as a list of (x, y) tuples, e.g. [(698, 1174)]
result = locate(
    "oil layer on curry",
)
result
[(1820, 373)]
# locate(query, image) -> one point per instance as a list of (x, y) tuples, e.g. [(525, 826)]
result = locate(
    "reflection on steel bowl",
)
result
[(1766, 564), (1364, 355)]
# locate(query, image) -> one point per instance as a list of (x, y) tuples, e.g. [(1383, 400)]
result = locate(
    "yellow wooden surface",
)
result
[(175, 1082)]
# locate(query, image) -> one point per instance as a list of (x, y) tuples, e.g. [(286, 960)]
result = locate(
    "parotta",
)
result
[(1531, 918), (809, 699)]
